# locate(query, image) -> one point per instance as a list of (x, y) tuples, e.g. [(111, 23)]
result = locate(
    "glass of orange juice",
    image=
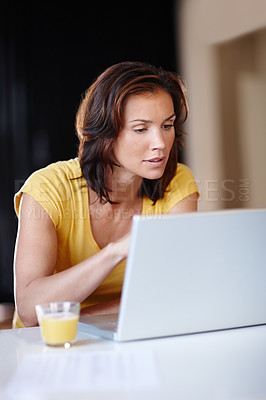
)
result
[(58, 322)]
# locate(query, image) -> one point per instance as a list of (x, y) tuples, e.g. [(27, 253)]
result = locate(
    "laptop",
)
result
[(190, 273)]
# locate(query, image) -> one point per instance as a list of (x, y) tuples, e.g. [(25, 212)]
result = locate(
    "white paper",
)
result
[(86, 371)]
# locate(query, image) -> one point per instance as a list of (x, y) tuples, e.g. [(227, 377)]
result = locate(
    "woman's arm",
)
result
[(110, 307), (35, 260), (190, 203)]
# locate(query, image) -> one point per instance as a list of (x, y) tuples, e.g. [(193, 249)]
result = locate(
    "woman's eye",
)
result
[(140, 130), (168, 126)]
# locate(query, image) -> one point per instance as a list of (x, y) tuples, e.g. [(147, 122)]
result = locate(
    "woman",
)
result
[(75, 216)]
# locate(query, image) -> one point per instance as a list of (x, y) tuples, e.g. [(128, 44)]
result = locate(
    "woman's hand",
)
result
[(122, 246)]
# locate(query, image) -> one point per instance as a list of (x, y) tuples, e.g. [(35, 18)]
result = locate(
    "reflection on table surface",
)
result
[(228, 364)]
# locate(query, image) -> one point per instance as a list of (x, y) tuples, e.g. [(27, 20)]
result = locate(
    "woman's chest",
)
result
[(109, 223)]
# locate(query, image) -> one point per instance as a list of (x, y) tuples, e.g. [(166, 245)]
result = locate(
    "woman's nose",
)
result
[(157, 141)]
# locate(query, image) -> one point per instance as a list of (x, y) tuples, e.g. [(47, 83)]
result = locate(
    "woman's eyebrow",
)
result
[(140, 120), (148, 121), (171, 116)]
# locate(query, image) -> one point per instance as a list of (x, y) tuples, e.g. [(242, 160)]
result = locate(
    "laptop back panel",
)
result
[(194, 272)]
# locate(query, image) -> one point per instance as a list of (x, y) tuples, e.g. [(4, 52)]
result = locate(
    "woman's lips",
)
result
[(156, 161)]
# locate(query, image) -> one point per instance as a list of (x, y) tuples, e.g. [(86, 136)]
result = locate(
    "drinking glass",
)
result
[(58, 322)]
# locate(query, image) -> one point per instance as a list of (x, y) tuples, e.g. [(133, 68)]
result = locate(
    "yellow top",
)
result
[(65, 199)]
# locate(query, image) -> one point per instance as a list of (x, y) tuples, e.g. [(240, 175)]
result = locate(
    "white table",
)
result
[(220, 365)]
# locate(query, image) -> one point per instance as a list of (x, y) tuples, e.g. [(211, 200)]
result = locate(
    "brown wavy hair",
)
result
[(100, 118)]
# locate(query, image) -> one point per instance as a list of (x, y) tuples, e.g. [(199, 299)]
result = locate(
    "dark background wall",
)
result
[(49, 55)]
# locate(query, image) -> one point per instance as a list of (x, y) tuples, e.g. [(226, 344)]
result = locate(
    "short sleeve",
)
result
[(47, 187)]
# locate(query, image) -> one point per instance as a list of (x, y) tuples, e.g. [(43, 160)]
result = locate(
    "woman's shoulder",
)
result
[(51, 184), (181, 186), (183, 177), (58, 174), (69, 169)]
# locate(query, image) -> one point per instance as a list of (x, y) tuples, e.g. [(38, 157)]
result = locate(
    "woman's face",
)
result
[(144, 143)]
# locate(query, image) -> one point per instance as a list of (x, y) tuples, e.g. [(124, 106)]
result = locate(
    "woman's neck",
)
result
[(124, 187), (124, 192)]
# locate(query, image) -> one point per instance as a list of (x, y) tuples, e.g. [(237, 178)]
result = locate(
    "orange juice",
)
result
[(58, 329)]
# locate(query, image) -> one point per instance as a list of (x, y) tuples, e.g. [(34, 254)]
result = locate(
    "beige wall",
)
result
[(223, 58)]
